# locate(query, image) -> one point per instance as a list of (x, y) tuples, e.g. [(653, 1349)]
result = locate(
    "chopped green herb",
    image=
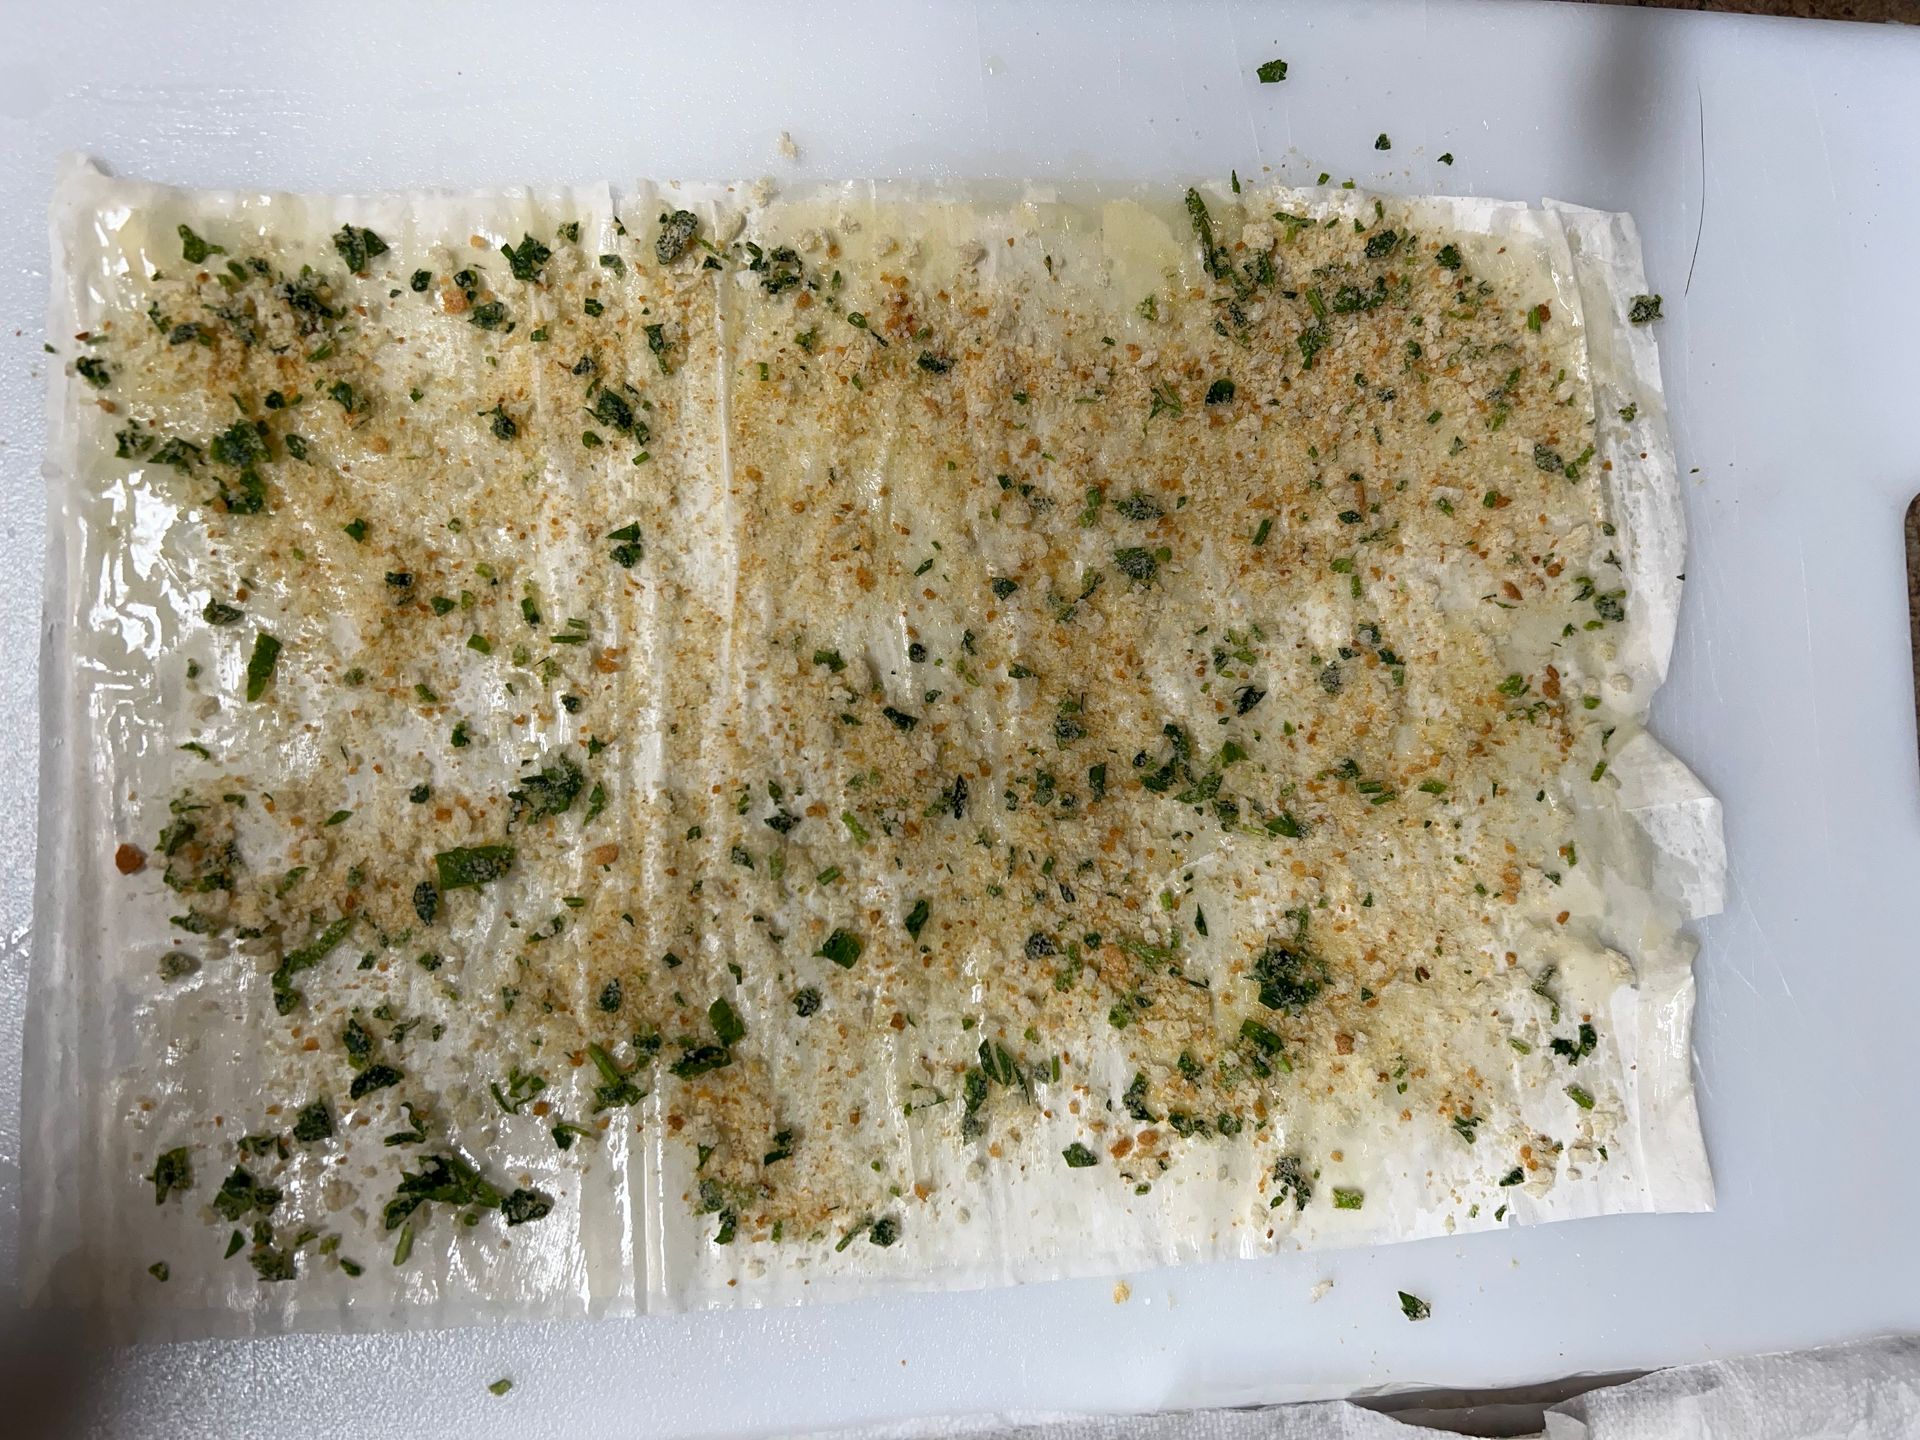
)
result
[(172, 1172), (1212, 257), (241, 1195), (527, 262), (1291, 1179), (616, 1086), (1260, 1037), (1576, 1050), (260, 665), (676, 235), (522, 1087), (1290, 977), (1312, 341), (726, 1022), (194, 250), (313, 1123), (357, 246), (374, 1077), (843, 948), (698, 1060), (566, 1132), (548, 792), (470, 866), (1139, 564), (612, 409), (1135, 1099)]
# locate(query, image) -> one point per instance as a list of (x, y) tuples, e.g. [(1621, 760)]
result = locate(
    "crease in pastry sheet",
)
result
[(117, 1061)]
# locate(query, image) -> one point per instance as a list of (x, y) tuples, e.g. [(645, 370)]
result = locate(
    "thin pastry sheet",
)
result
[(862, 738)]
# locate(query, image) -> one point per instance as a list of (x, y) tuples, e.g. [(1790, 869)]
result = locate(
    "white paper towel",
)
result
[(1865, 1391)]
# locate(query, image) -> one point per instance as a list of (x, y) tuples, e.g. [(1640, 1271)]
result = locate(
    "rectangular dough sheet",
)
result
[(821, 742)]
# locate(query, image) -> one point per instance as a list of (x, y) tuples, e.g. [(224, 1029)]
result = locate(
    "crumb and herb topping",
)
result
[(864, 709)]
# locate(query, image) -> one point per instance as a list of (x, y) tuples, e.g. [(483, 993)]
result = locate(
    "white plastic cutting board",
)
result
[(1789, 150)]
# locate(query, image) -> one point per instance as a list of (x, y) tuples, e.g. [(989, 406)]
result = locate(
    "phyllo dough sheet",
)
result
[(611, 750)]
